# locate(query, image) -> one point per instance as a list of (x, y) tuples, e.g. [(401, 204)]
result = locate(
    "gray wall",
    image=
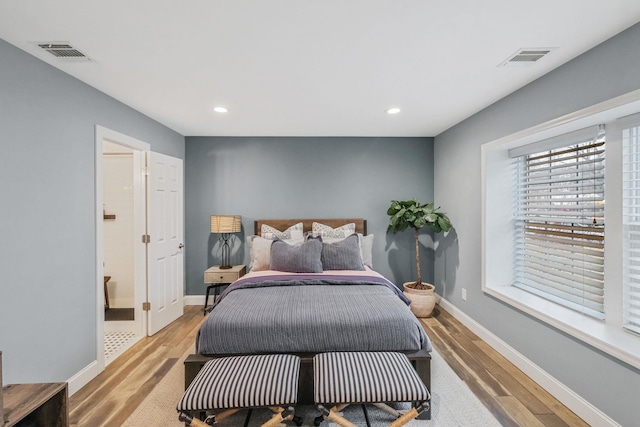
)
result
[(609, 70), (292, 177), (47, 223)]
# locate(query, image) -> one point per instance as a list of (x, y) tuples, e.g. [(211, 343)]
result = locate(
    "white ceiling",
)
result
[(311, 67)]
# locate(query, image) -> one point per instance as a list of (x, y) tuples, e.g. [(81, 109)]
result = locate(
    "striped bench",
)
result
[(226, 385), (345, 378)]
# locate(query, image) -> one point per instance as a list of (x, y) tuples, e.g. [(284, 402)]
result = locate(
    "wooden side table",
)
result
[(42, 404), (217, 277)]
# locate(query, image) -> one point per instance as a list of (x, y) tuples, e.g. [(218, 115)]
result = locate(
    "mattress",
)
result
[(275, 312)]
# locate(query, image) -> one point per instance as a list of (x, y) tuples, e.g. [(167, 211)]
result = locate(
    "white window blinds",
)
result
[(630, 127), (559, 219)]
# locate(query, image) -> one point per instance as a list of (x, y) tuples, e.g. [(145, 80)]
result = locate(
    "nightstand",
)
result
[(43, 404), (216, 277)]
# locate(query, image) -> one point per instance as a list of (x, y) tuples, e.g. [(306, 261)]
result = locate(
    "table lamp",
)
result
[(225, 225)]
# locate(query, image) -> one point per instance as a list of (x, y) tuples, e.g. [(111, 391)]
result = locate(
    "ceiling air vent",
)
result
[(64, 51), (526, 56)]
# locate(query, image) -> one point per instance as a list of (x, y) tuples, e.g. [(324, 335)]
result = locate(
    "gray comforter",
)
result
[(310, 314)]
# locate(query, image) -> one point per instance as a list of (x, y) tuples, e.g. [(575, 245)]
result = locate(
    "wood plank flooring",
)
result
[(512, 397), (110, 398)]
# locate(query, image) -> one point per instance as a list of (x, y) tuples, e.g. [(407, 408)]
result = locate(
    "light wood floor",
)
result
[(110, 398), (509, 394)]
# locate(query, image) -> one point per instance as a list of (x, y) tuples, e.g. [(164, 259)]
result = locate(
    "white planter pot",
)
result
[(422, 301)]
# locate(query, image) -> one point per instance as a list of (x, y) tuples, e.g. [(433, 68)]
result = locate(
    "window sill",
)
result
[(610, 339)]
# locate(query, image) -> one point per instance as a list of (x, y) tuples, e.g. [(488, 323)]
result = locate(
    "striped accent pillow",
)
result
[(359, 377), (342, 255), (243, 382), (305, 258)]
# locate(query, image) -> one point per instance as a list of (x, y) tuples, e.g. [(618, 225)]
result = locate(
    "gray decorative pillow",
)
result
[(342, 255), (303, 258)]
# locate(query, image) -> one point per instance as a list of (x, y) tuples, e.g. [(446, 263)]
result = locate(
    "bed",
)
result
[(306, 297)]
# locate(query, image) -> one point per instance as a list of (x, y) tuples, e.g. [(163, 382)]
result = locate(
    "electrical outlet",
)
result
[(464, 294)]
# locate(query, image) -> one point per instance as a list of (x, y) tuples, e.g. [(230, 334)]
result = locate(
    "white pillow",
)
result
[(292, 235), (366, 248), (261, 254), (332, 235), (250, 245)]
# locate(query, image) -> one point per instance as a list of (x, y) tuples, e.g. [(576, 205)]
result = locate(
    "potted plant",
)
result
[(413, 214)]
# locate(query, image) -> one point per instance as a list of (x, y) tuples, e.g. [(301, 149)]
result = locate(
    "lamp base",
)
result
[(225, 261)]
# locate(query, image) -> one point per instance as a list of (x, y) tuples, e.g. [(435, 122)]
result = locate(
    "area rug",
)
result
[(453, 404)]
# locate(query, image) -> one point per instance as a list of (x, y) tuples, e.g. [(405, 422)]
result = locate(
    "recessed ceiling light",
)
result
[(220, 109), (393, 110)]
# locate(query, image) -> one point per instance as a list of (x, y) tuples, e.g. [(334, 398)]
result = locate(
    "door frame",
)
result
[(141, 150)]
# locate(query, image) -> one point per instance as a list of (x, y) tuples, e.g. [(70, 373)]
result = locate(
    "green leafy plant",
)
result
[(413, 214)]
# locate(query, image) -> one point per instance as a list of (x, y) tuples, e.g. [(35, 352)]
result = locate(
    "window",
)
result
[(630, 128), (559, 220), (542, 189)]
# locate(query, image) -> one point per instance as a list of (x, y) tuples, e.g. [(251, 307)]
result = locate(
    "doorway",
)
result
[(122, 327), (156, 236), (121, 254)]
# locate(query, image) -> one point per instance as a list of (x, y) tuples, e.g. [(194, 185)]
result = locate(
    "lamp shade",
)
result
[(226, 223)]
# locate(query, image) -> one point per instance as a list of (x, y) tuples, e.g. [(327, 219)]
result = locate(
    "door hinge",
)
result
[(145, 170), (146, 238), (146, 306)]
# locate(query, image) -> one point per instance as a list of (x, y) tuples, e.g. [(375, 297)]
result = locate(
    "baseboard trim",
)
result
[(83, 377), (195, 299), (91, 371), (581, 407)]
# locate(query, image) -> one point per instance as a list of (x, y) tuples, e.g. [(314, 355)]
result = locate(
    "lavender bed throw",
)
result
[(310, 314)]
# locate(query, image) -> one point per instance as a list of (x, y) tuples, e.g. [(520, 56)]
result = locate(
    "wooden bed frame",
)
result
[(421, 359), (283, 224)]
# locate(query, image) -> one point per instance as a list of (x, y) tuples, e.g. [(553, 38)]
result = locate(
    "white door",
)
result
[(165, 223)]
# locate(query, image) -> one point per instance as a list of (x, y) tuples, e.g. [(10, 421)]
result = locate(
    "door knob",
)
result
[(180, 246)]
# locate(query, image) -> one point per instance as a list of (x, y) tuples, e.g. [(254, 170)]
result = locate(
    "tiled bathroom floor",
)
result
[(115, 343)]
